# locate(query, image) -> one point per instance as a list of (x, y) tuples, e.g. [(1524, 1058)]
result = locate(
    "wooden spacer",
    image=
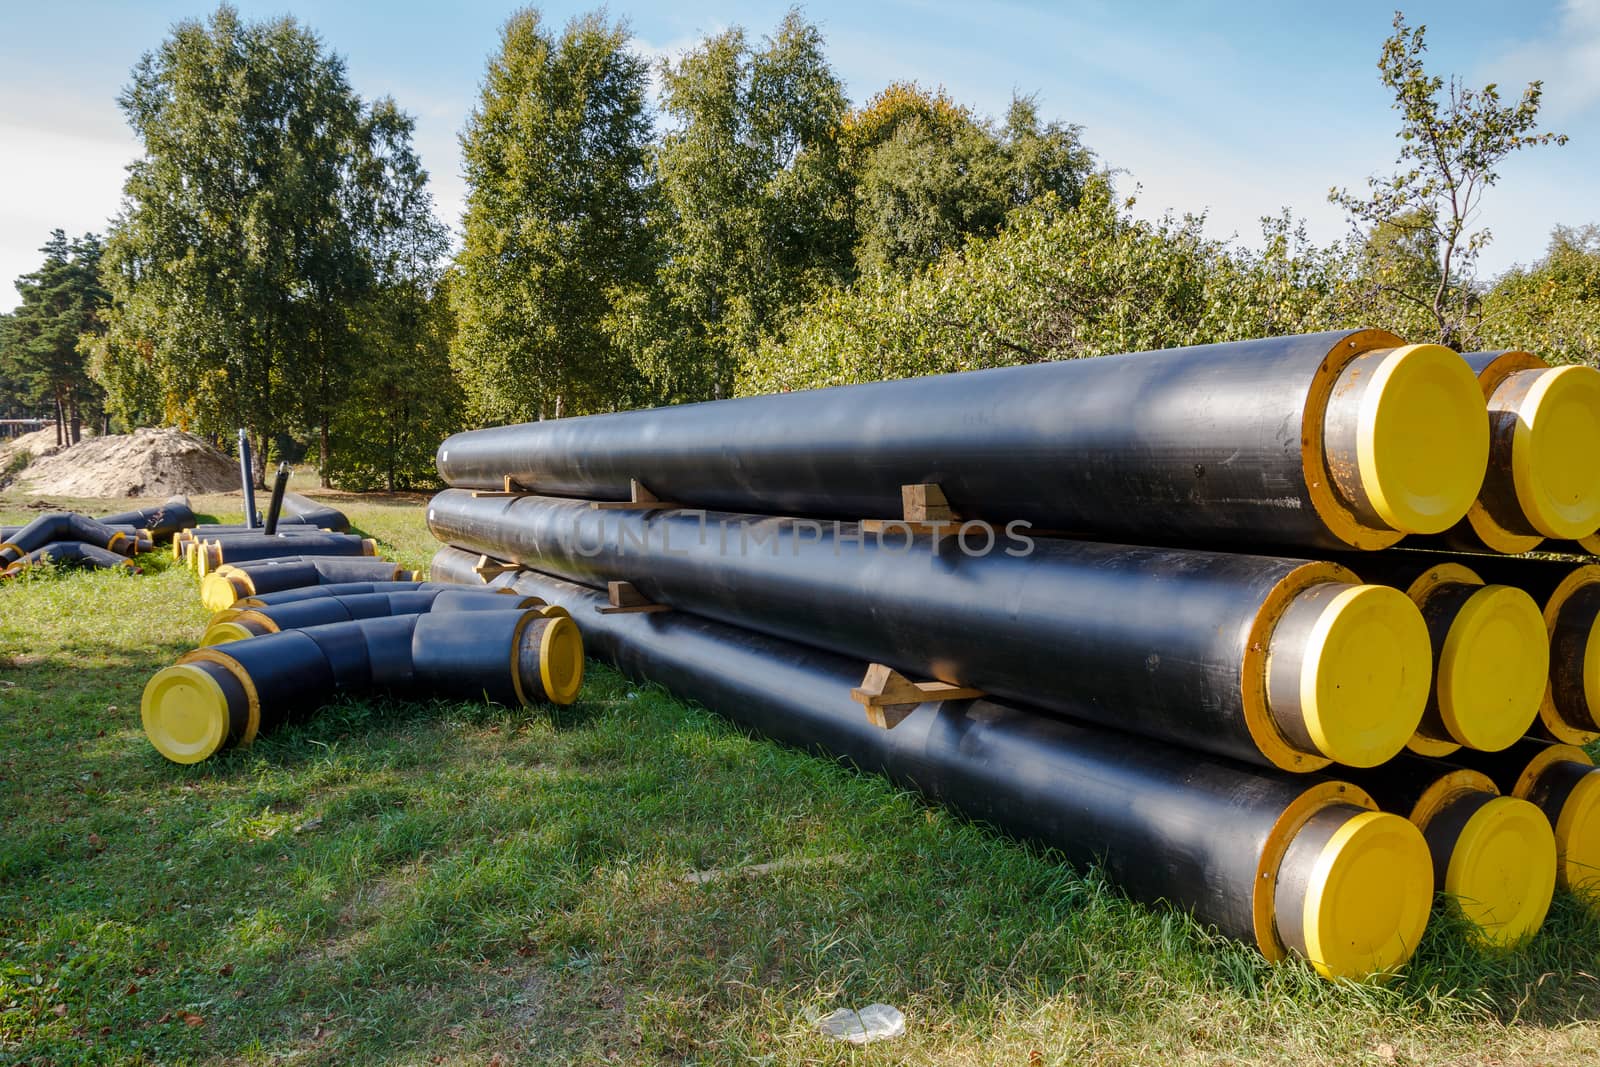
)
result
[(890, 697), (640, 498), (626, 600)]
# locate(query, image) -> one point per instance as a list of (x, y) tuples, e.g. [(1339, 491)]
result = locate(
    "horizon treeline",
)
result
[(277, 264)]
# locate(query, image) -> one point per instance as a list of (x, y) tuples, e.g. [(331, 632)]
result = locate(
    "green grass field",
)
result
[(442, 883)]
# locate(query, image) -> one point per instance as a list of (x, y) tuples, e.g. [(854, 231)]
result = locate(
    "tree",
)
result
[(248, 230), (928, 174), (1452, 139), (753, 216), (555, 154), (39, 341), (1551, 308)]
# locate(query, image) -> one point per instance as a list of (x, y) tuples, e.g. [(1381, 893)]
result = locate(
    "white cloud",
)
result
[(1567, 60)]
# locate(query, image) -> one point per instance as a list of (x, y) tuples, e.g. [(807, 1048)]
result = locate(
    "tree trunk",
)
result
[(75, 424), (322, 443), (61, 421)]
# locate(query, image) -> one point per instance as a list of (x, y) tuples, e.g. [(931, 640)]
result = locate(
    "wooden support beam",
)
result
[(640, 499), (890, 697), (925, 503), (508, 488), (488, 568), (626, 600)]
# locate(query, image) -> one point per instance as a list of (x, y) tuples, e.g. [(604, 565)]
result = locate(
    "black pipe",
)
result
[(1563, 783), (220, 588), (70, 553), (59, 526), (162, 520), (317, 592), (1166, 643), (1541, 482), (1494, 856), (237, 624), (1241, 849), (455, 566), (275, 508), (1327, 440), (304, 509), (245, 547), (219, 697), (247, 478)]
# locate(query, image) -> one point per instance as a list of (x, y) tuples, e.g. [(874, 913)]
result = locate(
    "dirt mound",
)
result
[(142, 463), (36, 444)]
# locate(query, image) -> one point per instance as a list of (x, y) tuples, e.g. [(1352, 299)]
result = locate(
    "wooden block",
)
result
[(626, 600), (489, 568), (900, 527), (890, 696), (925, 503), (636, 609), (640, 499)]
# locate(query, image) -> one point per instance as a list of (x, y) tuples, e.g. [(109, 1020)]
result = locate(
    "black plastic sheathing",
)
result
[(389, 650), (468, 662), (1398, 784), (1167, 824), (454, 566), (1537, 577), (318, 592), (239, 550), (221, 529), (288, 670), (1146, 640), (162, 520), (297, 508), (280, 483), (345, 649), (61, 526), (322, 610), (76, 552), (1181, 445)]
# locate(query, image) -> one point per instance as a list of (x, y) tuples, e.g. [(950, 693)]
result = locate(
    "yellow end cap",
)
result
[(1553, 450), (561, 661), (1422, 439), (217, 592), (185, 713), (220, 633), (1364, 683), (555, 611), (1502, 872), (1591, 669), (1493, 668), (1369, 896), (1577, 836)]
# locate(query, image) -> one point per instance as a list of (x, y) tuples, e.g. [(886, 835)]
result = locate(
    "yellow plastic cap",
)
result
[(220, 633), (1502, 872), (1553, 450), (217, 592), (1493, 668), (1422, 439), (185, 713), (555, 611), (1577, 835), (1364, 676), (1591, 669), (561, 661), (1369, 896)]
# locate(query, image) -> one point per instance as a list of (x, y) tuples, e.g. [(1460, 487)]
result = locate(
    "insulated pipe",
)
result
[(60, 526), (242, 548), (317, 592), (304, 509), (455, 566), (228, 583), (1272, 860), (1491, 656), (247, 480), (1493, 855), (1348, 438), (1544, 432), (237, 624), (1272, 661), (275, 508), (1570, 597), (71, 552), (220, 697), (162, 520)]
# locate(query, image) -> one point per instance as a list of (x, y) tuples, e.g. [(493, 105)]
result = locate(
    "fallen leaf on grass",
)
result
[(60, 1010), (191, 1019)]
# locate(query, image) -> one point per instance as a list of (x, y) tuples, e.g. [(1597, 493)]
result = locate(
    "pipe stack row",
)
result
[(109, 542), (1148, 609)]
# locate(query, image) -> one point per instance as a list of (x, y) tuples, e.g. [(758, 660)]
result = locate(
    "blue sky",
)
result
[(1236, 108)]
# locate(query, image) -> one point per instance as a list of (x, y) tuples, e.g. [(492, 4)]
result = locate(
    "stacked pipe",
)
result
[(71, 538), (1158, 576), (261, 667)]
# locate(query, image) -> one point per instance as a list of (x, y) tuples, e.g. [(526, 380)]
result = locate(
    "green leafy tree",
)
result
[(246, 239), (753, 216), (1452, 140), (1551, 308), (556, 154), (39, 350)]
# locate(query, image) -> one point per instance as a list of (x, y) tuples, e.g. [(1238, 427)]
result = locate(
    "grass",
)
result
[(389, 882)]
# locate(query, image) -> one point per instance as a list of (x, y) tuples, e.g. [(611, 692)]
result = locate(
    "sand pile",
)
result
[(142, 463), (36, 444)]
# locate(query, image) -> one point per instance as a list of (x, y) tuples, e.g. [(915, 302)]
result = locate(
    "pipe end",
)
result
[(1368, 898), (1577, 840), (1364, 675), (220, 633), (1422, 439), (1557, 435), (1493, 668), (217, 592), (1502, 871), (561, 661), (185, 713)]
